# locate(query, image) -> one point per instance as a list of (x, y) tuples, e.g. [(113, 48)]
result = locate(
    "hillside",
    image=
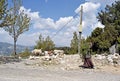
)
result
[(7, 49)]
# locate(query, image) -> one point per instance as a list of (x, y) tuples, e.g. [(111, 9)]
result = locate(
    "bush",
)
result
[(25, 54)]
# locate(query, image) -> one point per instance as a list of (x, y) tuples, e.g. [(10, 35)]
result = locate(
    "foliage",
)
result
[(20, 22), (97, 32), (5, 19), (74, 44), (111, 14), (44, 44), (118, 39), (103, 38), (85, 46), (49, 43), (25, 54)]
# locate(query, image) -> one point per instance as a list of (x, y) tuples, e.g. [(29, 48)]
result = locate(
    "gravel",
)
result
[(36, 74), (19, 71)]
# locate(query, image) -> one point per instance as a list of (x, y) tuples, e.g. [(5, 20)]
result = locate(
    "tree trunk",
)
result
[(15, 46)]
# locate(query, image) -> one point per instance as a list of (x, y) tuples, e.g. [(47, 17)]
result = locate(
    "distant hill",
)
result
[(7, 49)]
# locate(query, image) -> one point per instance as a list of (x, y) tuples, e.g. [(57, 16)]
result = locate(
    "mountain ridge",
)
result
[(7, 48)]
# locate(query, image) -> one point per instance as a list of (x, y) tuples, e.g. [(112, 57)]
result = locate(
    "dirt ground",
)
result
[(67, 69)]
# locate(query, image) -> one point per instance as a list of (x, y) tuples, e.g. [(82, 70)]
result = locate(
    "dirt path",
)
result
[(20, 72)]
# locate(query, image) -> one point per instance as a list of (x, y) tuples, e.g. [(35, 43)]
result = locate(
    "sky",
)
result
[(58, 19)]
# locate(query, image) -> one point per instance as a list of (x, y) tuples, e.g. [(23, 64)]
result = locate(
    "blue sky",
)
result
[(49, 16), (53, 8)]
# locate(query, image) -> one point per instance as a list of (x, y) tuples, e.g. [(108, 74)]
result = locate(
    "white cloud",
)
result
[(45, 23), (32, 15), (28, 39), (63, 21), (37, 21), (103, 2), (47, 26), (50, 27), (89, 13), (5, 37), (88, 7), (98, 24), (90, 22)]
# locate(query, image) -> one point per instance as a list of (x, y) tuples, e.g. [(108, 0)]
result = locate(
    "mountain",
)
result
[(7, 48)]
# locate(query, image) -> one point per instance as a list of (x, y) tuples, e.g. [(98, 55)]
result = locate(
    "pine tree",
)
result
[(45, 43), (103, 38), (74, 43)]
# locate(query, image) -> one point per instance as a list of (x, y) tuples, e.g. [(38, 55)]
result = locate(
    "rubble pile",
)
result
[(111, 59), (71, 62), (59, 61)]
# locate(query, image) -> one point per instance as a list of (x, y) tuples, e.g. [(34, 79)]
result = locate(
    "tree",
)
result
[(49, 43), (97, 32), (118, 39), (103, 38), (111, 16), (95, 38), (45, 44), (74, 43), (5, 19), (40, 42), (20, 23), (103, 46), (84, 46)]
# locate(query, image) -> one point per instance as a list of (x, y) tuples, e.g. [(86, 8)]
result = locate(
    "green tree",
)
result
[(118, 39), (84, 46), (40, 42), (95, 38), (20, 24), (5, 18), (102, 41), (74, 43), (44, 43), (111, 16), (97, 32), (103, 38), (103, 46), (49, 43)]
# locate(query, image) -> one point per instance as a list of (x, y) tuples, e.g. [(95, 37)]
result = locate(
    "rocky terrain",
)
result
[(60, 69)]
